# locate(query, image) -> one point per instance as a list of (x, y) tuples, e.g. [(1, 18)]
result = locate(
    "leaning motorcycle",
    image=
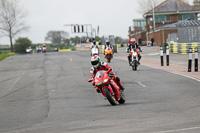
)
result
[(108, 54), (105, 84)]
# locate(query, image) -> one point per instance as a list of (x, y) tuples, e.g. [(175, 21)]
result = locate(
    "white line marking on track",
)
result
[(140, 83), (16, 80), (177, 130), (70, 59)]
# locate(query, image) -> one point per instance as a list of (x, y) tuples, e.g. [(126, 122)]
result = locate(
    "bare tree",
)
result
[(196, 2), (56, 37), (146, 5), (11, 19), (186, 1)]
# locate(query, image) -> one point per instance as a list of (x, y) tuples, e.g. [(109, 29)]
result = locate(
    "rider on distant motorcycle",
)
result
[(134, 45), (94, 45), (97, 65), (107, 45)]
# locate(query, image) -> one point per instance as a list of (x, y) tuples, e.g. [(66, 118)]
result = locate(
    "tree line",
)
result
[(12, 22)]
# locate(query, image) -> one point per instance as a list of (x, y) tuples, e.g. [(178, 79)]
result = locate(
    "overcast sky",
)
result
[(113, 16)]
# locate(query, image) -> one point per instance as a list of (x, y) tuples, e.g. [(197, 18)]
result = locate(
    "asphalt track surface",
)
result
[(49, 93)]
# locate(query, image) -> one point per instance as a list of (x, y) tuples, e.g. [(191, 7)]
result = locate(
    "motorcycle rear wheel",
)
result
[(110, 98)]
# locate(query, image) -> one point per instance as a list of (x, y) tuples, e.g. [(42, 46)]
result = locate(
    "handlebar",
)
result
[(90, 80), (109, 70)]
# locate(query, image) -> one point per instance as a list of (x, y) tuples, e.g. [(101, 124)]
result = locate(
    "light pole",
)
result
[(154, 27), (154, 15)]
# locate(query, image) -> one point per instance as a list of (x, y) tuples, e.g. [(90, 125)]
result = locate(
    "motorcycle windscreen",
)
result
[(99, 77), (100, 73), (95, 51)]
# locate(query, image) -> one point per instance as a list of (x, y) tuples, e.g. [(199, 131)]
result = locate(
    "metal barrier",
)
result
[(86, 47), (183, 48), (64, 50)]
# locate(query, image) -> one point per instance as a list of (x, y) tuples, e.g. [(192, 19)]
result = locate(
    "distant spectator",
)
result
[(99, 42), (82, 41), (152, 41), (91, 39), (140, 41)]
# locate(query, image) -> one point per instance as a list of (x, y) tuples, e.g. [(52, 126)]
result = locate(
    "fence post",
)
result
[(167, 55), (196, 60), (161, 56), (190, 60)]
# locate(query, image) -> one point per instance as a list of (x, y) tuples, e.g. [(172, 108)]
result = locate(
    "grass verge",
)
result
[(3, 56)]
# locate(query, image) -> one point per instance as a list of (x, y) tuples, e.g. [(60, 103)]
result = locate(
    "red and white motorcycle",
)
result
[(105, 84)]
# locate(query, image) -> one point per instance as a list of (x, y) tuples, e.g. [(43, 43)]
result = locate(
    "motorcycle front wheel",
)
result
[(110, 98), (134, 65), (109, 58)]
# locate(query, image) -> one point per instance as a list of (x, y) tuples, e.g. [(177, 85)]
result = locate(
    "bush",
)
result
[(21, 44)]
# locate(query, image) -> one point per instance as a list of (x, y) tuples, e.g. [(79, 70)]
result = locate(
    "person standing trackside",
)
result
[(99, 42), (152, 41), (140, 41)]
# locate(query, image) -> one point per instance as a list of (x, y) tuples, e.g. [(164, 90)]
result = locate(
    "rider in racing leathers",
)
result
[(107, 45), (134, 45), (94, 45), (98, 65)]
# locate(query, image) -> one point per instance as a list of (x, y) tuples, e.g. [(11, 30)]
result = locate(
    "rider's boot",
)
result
[(98, 91), (120, 84), (139, 57), (129, 60)]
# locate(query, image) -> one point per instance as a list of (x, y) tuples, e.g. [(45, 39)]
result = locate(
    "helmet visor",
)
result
[(95, 62)]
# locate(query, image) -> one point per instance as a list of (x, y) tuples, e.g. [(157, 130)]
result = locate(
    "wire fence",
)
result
[(189, 34), (188, 31)]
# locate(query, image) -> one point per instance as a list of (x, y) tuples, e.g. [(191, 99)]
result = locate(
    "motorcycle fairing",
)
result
[(117, 90)]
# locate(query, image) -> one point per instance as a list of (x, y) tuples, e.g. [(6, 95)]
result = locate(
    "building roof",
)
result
[(187, 23), (167, 26), (183, 23), (173, 6), (141, 19)]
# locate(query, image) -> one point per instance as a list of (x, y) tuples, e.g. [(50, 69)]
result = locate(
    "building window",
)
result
[(168, 19), (162, 18), (186, 16), (137, 24), (148, 20), (140, 23)]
